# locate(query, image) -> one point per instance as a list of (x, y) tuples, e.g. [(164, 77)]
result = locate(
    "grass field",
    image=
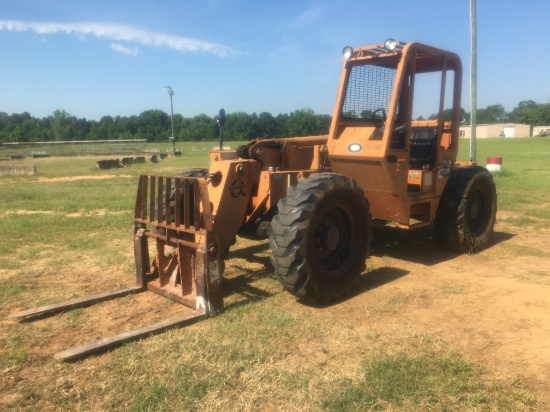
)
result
[(67, 232)]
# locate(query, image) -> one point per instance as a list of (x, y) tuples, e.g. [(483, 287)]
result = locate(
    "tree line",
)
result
[(155, 125), (526, 112)]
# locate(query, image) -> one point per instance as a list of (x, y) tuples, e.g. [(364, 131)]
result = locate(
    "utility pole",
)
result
[(171, 138), (473, 81)]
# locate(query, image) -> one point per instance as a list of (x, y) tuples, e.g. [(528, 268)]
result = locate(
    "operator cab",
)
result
[(401, 160)]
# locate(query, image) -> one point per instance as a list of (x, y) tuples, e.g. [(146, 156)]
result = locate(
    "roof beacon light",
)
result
[(348, 51), (390, 44)]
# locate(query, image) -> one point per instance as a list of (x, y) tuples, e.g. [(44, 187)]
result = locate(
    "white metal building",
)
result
[(497, 130)]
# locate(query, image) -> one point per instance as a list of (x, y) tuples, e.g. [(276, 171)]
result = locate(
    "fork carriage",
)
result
[(187, 266)]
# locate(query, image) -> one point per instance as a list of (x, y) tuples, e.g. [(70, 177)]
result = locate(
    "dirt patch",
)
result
[(70, 178), (97, 212), (75, 178), (493, 307), (28, 212)]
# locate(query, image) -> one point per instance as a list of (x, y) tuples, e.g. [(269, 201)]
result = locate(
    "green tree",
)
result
[(282, 125), (448, 115), (203, 128), (240, 126), (525, 113), (541, 116), (155, 125), (492, 114), (267, 125), (60, 123), (303, 123), (106, 128)]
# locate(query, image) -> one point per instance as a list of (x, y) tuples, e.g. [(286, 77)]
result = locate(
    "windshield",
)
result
[(369, 88)]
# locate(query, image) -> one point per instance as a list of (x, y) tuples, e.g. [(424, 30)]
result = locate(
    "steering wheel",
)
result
[(379, 117)]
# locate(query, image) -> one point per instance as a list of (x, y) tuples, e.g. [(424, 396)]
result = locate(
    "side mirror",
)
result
[(220, 118)]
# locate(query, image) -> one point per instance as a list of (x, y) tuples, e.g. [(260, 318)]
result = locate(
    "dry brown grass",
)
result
[(266, 352), (423, 330)]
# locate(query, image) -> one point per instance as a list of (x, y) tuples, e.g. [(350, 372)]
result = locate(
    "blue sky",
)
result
[(96, 58)]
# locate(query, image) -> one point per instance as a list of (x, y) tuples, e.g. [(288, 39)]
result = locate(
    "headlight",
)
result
[(390, 44), (348, 51)]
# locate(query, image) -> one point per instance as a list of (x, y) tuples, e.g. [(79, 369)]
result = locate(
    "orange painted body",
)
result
[(400, 187), (401, 164), (397, 189)]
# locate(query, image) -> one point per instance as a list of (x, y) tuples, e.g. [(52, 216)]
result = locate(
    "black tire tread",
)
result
[(193, 172), (450, 223), (290, 231)]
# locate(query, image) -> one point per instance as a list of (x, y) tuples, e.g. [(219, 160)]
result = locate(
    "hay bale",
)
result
[(36, 155), (18, 170), (108, 164), (125, 161)]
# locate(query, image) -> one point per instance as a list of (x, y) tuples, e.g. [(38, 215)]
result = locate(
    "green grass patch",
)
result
[(521, 221), (18, 356), (10, 289), (14, 350), (525, 179), (523, 250), (421, 382), (212, 357), (540, 213), (10, 263), (537, 276)]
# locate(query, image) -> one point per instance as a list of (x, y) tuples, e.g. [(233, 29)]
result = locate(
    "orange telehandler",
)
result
[(314, 197)]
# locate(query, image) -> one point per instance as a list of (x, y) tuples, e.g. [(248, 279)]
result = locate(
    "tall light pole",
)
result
[(171, 138), (171, 93), (473, 81)]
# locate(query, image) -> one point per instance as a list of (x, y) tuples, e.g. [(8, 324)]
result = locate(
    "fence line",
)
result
[(74, 148)]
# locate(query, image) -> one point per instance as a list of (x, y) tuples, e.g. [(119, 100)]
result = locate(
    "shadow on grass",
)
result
[(416, 245), (367, 281), (499, 237), (241, 285), (250, 253)]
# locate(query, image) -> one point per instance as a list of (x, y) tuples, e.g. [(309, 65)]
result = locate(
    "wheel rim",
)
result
[(331, 240), (476, 209)]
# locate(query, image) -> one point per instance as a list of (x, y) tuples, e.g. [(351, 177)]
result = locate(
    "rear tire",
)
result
[(321, 237), (467, 209), (195, 172)]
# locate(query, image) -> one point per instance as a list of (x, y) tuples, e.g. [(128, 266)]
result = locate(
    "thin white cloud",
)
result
[(307, 17), (118, 32), (131, 51)]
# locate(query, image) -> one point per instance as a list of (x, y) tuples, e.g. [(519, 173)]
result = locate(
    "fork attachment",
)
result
[(175, 212)]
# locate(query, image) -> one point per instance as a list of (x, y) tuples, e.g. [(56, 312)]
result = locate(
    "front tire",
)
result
[(466, 214), (195, 172), (321, 237)]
